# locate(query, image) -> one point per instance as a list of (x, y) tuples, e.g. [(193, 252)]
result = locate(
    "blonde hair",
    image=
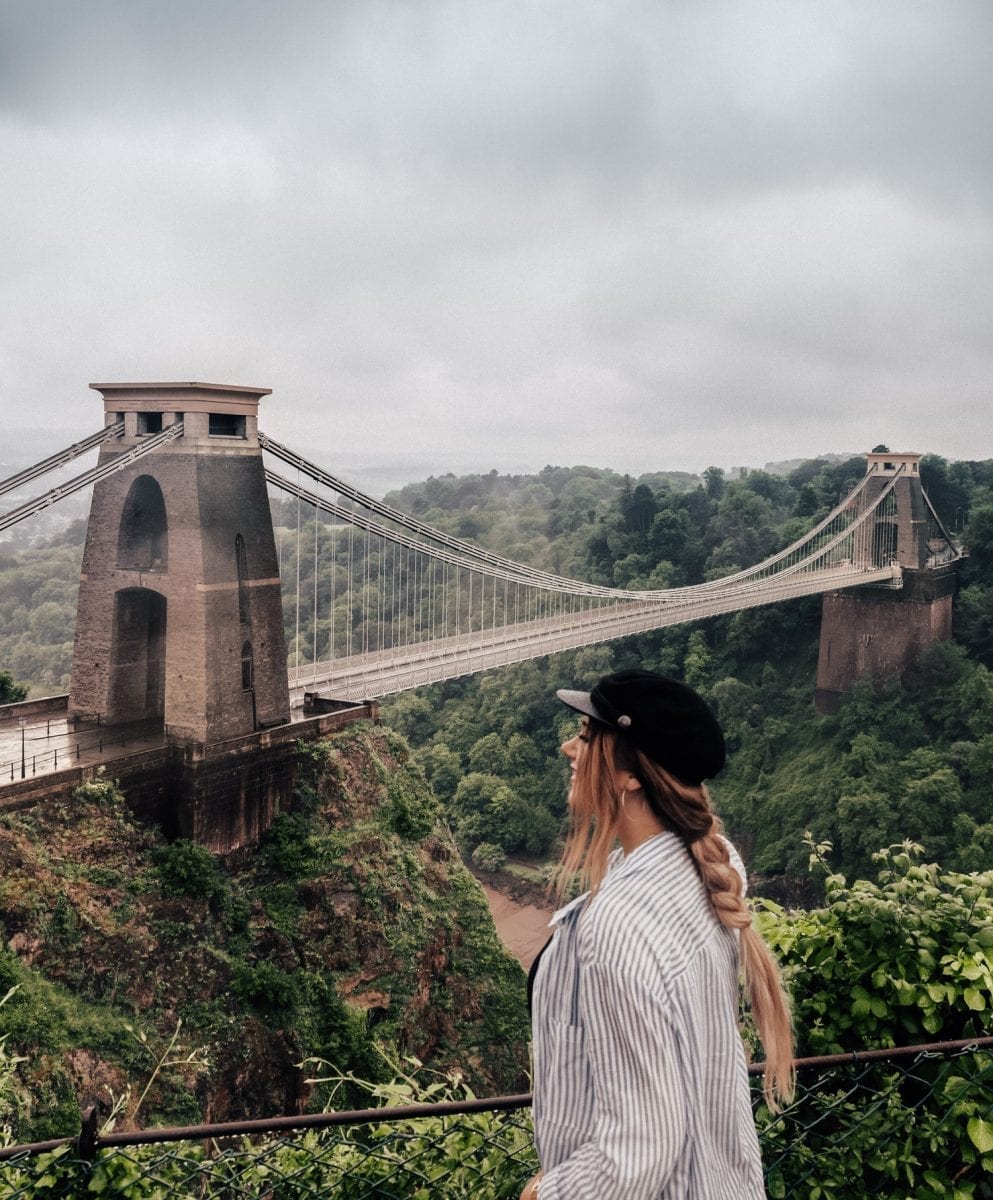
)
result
[(596, 803)]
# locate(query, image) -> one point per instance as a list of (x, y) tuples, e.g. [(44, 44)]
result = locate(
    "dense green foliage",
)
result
[(905, 959), (10, 689), (38, 589)]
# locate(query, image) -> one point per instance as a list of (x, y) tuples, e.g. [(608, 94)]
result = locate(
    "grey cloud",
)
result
[(664, 233)]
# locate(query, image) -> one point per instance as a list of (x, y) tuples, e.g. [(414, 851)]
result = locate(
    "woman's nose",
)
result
[(571, 748)]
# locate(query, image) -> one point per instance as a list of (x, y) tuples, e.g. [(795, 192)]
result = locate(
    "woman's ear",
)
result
[(628, 782)]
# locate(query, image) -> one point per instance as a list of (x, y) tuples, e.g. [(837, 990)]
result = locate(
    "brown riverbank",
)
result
[(523, 927)]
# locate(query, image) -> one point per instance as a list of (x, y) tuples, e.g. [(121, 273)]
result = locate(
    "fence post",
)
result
[(86, 1143)]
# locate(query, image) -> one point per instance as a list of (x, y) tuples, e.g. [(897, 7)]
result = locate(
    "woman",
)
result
[(640, 1082)]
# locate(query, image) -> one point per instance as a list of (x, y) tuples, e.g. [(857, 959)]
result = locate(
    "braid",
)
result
[(686, 810), (721, 879)]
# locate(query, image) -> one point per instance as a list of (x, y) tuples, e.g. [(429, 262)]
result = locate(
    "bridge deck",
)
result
[(385, 672)]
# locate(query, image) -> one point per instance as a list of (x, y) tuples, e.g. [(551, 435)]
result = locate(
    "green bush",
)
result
[(265, 986), (10, 690), (317, 762), (489, 857), (895, 962), (288, 845), (186, 869), (411, 809), (100, 791), (482, 1156)]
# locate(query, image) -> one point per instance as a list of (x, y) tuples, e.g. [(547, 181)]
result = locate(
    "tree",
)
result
[(476, 792), (10, 690), (713, 482), (697, 665), (638, 508), (489, 857), (413, 716), (488, 755), (443, 769)]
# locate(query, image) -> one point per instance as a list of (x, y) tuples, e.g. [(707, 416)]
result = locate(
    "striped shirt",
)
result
[(640, 1083)]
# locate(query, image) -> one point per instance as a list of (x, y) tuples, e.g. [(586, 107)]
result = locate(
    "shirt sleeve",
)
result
[(640, 1122)]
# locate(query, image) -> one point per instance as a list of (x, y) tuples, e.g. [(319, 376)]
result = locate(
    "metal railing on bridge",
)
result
[(67, 746), (908, 1122)]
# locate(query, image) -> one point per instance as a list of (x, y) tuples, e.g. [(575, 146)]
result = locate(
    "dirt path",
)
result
[(523, 928)]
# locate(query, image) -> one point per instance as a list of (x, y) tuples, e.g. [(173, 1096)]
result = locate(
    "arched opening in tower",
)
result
[(137, 662), (143, 536)]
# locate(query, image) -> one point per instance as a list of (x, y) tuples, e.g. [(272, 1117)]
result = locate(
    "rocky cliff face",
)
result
[(354, 934)]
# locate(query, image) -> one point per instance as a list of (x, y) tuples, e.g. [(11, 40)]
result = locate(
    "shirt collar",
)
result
[(619, 866), (568, 909)]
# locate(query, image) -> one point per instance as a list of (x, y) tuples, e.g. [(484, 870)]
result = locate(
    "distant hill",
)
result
[(788, 465)]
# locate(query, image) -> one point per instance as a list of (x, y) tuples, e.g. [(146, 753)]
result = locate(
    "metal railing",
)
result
[(891, 1124), (72, 745)]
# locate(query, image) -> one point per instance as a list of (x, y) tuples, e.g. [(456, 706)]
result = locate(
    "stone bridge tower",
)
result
[(881, 631), (180, 613)]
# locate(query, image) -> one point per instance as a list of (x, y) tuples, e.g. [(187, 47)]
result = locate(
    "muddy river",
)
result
[(523, 928)]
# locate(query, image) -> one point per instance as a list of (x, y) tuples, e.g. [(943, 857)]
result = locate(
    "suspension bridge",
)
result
[(438, 606), (195, 616), (392, 603)]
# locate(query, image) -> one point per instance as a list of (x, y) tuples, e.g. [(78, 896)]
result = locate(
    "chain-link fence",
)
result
[(909, 1123)]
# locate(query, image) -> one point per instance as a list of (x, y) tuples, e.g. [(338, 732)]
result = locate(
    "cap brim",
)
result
[(581, 702)]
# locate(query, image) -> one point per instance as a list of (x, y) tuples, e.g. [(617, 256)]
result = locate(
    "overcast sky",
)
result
[(463, 235)]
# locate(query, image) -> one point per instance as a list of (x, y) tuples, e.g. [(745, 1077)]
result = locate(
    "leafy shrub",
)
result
[(489, 857), (485, 1156), (316, 762), (288, 845), (411, 809), (264, 986), (921, 1132), (891, 963), (63, 924), (9, 1101), (186, 869), (99, 791), (10, 690)]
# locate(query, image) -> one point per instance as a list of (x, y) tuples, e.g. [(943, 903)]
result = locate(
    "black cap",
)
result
[(664, 718)]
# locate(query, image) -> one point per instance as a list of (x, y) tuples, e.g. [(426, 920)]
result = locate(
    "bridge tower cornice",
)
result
[(217, 418)]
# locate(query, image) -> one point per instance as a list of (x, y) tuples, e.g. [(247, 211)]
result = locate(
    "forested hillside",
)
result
[(256, 961), (903, 758), (186, 988)]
